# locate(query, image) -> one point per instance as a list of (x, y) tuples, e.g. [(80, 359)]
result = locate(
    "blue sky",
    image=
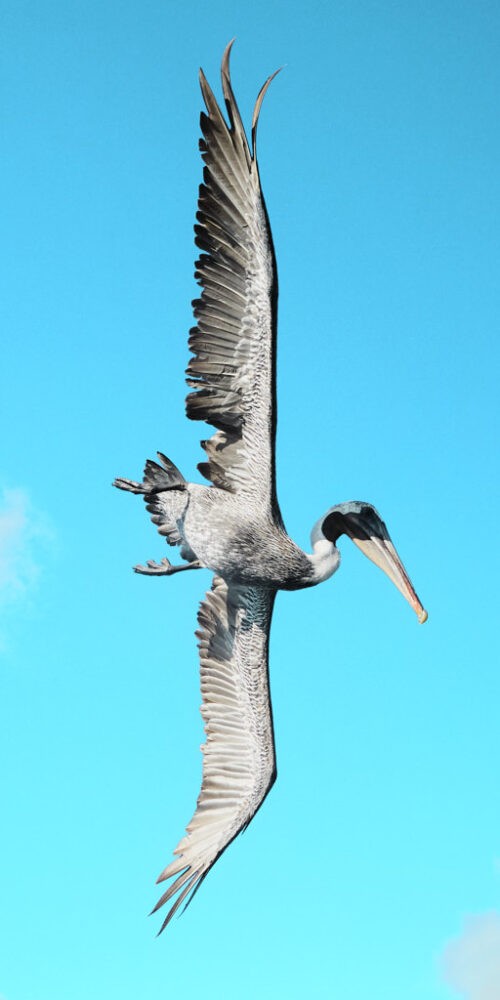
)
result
[(373, 868)]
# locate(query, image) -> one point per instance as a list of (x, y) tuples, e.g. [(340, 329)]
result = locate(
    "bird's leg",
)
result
[(129, 485), (164, 568)]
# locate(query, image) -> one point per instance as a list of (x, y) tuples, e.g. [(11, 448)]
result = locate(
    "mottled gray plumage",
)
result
[(234, 526)]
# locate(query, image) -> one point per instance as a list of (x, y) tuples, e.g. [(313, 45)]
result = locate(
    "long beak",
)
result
[(377, 545)]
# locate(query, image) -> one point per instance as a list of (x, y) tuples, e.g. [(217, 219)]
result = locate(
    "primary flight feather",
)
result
[(234, 527)]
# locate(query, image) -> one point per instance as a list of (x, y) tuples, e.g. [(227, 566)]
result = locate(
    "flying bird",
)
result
[(233, 526)]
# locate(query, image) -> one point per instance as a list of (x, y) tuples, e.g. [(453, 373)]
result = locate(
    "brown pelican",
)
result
[(234, 526)]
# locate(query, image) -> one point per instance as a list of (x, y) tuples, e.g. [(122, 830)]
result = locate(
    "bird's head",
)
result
[(364, 526)]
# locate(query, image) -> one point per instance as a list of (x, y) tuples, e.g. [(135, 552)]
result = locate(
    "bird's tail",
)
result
[(156, 478)]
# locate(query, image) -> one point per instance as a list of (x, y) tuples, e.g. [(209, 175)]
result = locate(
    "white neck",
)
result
[(324, 560)]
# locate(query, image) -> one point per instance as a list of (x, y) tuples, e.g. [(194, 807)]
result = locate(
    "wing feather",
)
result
[(239, 764), (232, 372)]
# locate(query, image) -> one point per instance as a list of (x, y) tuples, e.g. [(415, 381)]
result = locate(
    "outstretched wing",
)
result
[(233, 369), (239, 764)]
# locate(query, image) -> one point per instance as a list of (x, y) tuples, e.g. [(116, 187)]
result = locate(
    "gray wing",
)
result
[(234, 342), (239, 764)]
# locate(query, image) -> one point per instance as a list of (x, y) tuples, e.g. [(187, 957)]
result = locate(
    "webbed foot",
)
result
[(129, 485), (164, 568)]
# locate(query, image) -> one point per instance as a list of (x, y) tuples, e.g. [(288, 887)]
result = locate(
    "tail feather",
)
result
[(158, 478), (162, 488)]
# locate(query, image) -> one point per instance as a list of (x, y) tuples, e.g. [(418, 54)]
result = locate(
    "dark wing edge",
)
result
[(239, 764), (234, 343)]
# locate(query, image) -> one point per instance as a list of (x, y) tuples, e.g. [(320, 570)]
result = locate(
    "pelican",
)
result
[(233, 526)]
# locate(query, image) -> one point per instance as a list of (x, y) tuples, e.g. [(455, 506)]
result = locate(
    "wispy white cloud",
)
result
[(22, 529), (471, 962)]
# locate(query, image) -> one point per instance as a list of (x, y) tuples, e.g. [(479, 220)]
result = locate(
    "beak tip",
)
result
[(422, 616)]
